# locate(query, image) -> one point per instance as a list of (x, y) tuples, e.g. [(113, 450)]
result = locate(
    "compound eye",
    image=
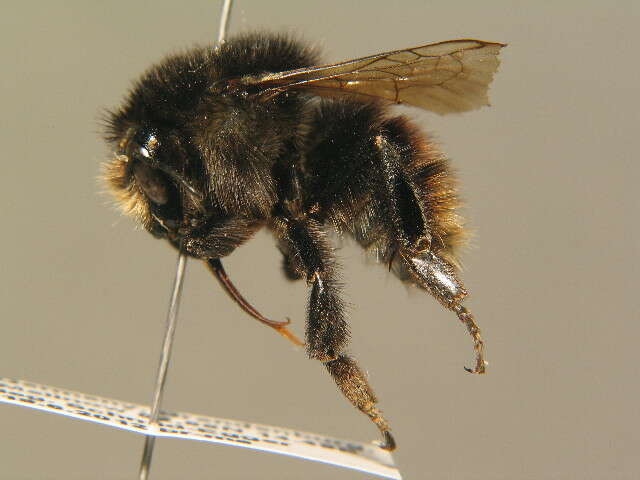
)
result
[(152, 183)]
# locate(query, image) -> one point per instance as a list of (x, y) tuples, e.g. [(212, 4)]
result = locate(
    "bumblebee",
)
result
[(214, 144)]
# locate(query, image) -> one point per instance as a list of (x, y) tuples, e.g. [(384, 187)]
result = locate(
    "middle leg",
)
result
[(309, 255)]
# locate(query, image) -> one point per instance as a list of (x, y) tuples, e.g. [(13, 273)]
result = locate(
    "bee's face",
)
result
[(145, 184), (156, 178)]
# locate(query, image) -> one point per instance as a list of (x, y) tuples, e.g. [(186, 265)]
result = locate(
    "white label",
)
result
[(365, 457)]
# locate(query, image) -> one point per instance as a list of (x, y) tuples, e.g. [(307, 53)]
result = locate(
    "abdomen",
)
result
[(378, 178)]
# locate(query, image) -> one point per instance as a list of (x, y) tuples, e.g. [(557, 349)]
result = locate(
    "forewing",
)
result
[(444, 77)]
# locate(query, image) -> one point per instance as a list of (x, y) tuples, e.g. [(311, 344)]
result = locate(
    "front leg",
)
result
[(327, 330), (215, 265)]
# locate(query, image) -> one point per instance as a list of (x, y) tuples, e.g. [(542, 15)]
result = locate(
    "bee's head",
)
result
[(188, 164), (147, 184), (155, 179)]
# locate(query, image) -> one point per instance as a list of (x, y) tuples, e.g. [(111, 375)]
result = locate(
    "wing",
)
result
[(443, 77)]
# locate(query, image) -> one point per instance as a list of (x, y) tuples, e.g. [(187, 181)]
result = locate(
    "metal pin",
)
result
[(165, 356), (224, 20), (172, 315)]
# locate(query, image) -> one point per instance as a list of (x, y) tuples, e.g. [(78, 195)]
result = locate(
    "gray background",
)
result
[(549, 179)]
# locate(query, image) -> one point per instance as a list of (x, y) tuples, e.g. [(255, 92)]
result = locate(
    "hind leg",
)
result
[(438, 277), (414, 226)]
